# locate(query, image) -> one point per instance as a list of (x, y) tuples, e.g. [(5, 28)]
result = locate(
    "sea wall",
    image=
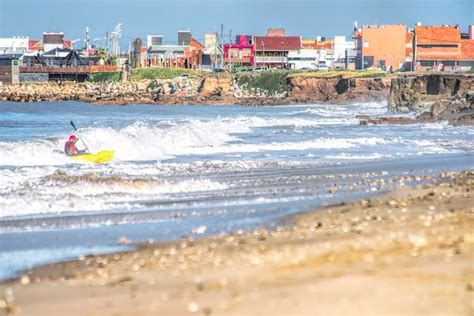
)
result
[(249, 89), (440, 96)]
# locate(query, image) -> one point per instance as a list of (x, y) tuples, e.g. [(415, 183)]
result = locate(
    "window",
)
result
[(436, 45)]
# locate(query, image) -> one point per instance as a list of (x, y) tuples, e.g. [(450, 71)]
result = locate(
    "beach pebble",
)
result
[(24, 280), (199, 230), (193, 307), (123, 241)]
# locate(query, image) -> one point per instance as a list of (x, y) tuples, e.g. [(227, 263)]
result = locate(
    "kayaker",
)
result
[(70, 146)]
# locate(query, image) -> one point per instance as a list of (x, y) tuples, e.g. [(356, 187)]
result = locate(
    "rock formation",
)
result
[(441, 96)]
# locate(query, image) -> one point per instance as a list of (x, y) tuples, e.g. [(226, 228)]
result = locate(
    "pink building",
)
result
[(241, 53)]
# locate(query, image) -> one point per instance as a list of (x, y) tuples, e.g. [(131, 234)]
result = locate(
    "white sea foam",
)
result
[(55, 197), (142, 141)]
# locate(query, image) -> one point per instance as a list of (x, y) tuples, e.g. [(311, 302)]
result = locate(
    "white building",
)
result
[(342, 48), (303, 59), (14, 45), (310, 59), (154, 40)]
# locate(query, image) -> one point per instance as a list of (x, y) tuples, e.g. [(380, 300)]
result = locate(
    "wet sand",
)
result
[(409, 252)]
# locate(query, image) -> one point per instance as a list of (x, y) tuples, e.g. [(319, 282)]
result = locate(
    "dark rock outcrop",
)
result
[(437, 96), (337, 89)]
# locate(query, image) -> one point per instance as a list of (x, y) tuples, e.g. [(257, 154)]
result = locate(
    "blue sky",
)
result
[(308, 18)]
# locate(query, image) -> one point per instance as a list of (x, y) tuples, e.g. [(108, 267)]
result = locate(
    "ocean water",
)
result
[(195, 170)]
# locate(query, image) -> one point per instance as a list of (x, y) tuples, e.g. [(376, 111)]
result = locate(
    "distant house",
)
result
[(304, 59), (442, 48), (49, 42), (60, 57), (382, 46), (186, 54), (241, 53), (9, 69), (14, 45), (272, 51)]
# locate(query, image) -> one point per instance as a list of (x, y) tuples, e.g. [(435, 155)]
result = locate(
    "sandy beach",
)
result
[(409, 252)]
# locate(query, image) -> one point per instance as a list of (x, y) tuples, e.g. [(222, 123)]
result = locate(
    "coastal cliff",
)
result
[(268, 88), (337, 89), (434, 96)]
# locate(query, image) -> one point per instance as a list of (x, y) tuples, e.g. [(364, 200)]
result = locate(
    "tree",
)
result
[(101, 53), (137, 50)]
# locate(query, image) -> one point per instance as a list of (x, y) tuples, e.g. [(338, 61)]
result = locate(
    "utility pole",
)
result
[(107, 41), (215, 54), (86, 41), (230, 42), (222, 46), (413, 66)]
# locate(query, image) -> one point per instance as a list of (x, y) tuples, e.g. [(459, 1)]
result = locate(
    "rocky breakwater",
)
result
[(145, 91), (434, 96), (336, 89)]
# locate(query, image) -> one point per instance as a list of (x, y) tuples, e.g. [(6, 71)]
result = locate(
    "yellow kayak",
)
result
[(99, 157)]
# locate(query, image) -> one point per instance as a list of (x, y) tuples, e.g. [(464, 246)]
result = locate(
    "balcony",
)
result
[(271, 59)]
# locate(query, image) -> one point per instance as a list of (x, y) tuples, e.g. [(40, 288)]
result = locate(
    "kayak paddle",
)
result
[(75, 129)]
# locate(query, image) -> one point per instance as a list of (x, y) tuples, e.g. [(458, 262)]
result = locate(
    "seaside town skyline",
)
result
[(143, 17), (236, 157)]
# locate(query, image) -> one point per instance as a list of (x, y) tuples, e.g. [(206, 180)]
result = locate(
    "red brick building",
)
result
[(441, 48)]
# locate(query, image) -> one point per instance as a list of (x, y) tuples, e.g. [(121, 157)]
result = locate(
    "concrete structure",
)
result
[(441, 48), (272, 51), (38, 45), (9, 69), (154, 40), (340, 51), (184, 38), (242, 53), (187, 53), (382, 46), (276, 32), (210, 41), (304, 59), (52, 41), (14, 45)]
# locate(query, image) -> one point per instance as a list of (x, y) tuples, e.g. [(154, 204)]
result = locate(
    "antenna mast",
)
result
[(116, 35)]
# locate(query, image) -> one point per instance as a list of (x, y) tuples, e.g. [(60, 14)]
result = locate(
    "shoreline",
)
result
[(417, 238)]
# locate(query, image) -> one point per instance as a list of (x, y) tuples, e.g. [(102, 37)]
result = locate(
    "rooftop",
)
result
[(437, 34), (277, 42)]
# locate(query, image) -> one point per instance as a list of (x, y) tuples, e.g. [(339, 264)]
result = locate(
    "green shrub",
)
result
[(104, 77), (268, 82), (161, 73)]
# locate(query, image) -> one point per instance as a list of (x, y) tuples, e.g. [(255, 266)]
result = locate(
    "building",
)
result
[(272, 51), (442, 48), (154, 40), (187, 53), (14, 45), (241, 53), (341, 49), (59, 57), (304, 59), (210, 44), (9, 69), (382, 46), (49, 42), (52, 41)]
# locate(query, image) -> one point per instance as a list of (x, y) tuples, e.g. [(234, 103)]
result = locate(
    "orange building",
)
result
[(381, 46), (442, 48)]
